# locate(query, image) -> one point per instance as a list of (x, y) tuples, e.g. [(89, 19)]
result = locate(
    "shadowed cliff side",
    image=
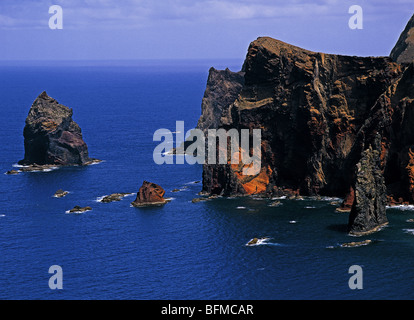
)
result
[(403, 52)]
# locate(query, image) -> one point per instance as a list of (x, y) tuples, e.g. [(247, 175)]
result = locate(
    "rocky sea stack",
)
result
[(150, 194), (51, 137), (318, 114)]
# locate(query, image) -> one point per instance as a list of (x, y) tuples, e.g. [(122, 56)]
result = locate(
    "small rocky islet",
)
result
[(60, 193), (150, 194), (79, 209), (114, 197), (51, 138)]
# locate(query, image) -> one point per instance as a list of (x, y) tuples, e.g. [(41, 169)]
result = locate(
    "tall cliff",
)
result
[(318, 114)]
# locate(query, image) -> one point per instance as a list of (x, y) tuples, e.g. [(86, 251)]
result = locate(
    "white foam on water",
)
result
[(129, 195), (193, 182), (76, 212), (97, 162), (16, 165), (2, 215), (260, 241), (410, 231), (45, 170), (293, 221), (279, 198), (402, 207), (330, 199), (241, 208), (99, 199)]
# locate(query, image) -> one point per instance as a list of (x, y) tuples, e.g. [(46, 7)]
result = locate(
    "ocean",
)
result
[(183, 250)]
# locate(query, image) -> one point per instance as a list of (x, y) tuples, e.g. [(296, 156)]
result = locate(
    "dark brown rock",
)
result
[(150, 194), (51, 137), (196, 200), (346, 205), (79, 209), (356, 244), (403, 52), (11, 172), (114, 197), (223, 87), (60, 193), (368, 212)]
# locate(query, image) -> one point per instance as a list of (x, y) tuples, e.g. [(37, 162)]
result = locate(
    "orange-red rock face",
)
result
[(149, 194)]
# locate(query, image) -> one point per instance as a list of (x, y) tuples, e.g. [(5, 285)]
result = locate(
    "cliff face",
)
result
[(51, 136), (403, 52), (310, 107), (319, 114), (223, 87)]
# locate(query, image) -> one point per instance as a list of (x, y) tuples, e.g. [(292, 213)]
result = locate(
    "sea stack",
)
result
[(150, 194), (368, 210), (51, 137)]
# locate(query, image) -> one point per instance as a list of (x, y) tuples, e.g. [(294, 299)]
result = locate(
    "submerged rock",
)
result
[(11, 172), (60, 193), (275, 204), (79, 209), (114, 197), (256, 241), (356, 244), (196, 200), (51, 137), (150, 194)]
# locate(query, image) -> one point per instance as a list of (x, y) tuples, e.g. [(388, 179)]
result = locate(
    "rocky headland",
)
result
[(332, 125)]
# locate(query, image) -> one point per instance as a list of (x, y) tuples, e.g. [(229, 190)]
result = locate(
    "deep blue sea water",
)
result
[(182, 250)]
